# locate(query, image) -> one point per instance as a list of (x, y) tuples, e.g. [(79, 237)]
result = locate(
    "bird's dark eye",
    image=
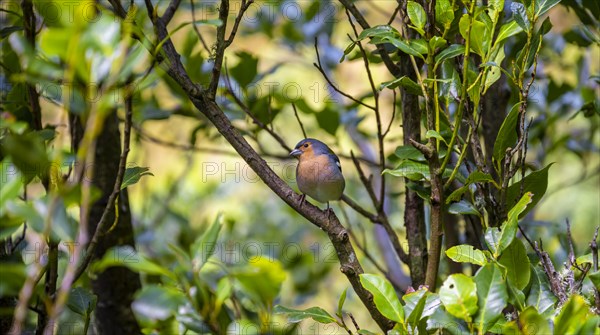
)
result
[(306, 145)]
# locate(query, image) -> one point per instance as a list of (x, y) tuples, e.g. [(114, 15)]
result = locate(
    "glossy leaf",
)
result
[(341, 302), (81, 301), (572, 316), (410, 85), (465, 253), (520, 15), (459, 296), (444, 13), (409, 152), (463, 207), (417, 15), (492, 296), (540, 296), (476, 33), (384, 296), (507, 135), (204, 247), (452, 51), (536, 182), (128, 257), (507, 30), (157, 302), (133, 175), (515, 260), (499, 239), (294, 315)]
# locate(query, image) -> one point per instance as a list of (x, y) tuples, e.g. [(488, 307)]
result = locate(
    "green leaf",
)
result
[(432, 133), (156, 302), (444, 13), (535, 182), (595, 279), (494, 71), (294, 315), (543, 6), (261, 279), (378, 31), (10, 186), (384, 296), (405, 47), (507, 135), (412, 170), (452, 51), (465, 253), (520, 15), (27, 152), (204, 246), (415, 305), (507, 30), (329, 120), (534, 321), (437, 42), (133, 175), (491, 294), (459, 295), (13, 277), (82, 301), (128, 257), (404, 81), (341, 303), (246, 69), (587, 258), (572, 316), (417, 15), (476, 35), (409, 152), (540, 296), (499, 239), (463, 207), (515, 260)]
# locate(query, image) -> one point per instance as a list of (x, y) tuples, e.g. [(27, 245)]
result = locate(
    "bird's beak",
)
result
[(296, 153)]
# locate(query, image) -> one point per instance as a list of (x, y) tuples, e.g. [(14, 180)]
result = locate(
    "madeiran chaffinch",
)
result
[(319, 173)]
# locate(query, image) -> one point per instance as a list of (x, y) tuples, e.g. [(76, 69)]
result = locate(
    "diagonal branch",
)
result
[(170, 11), (205, 103)]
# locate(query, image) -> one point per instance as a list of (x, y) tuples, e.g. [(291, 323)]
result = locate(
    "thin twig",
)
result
[(245, 5), (246, 110), (299, 121), (196, 29), (393, 115), (170, 11), (320, 68)]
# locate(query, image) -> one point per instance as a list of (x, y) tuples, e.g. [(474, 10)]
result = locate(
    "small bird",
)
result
[(319, 173)]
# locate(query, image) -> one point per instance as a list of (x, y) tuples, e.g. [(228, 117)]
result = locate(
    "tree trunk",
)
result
[(115, 286)]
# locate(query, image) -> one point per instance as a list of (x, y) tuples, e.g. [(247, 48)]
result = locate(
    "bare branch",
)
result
[(320, 68), (170, 11), (204, 45), (299, 121), (245, 5)]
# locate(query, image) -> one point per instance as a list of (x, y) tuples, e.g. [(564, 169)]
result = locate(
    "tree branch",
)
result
[(204, 102), (170, 11)]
